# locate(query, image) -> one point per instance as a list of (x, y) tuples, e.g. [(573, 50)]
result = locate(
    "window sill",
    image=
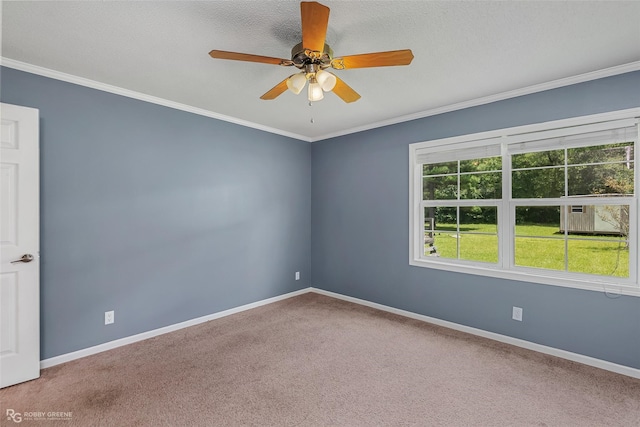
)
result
[(539, 276)]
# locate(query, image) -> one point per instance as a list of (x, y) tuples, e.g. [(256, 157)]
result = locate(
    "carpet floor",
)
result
[(313, 360)]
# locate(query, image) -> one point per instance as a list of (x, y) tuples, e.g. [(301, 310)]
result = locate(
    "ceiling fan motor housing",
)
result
[(302, 57)]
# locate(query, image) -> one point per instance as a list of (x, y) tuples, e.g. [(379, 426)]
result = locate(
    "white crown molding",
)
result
[(81, 81), (554, 84)]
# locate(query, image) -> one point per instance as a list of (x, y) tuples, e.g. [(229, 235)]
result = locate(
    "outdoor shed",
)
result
[(595, 219)]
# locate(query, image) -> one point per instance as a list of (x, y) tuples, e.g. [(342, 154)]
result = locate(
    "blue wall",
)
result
[(360, 231), (165, 216), (158, 214)]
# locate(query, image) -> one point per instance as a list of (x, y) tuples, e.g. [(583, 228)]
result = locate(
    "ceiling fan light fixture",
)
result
[(315, 90), (296, 82), (326, 80)]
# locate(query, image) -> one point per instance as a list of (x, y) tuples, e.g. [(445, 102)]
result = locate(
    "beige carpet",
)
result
[(317, 361)]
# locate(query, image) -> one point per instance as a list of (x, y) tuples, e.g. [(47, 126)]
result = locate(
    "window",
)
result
[(553, 203)]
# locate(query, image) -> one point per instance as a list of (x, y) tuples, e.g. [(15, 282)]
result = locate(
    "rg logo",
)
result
[(14, 416)]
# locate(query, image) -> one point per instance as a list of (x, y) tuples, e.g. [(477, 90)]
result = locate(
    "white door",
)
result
[(19, 246)]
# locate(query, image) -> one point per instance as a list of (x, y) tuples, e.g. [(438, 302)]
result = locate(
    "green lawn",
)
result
[(586, 254)]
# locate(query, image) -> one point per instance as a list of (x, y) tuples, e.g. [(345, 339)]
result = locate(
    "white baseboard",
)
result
[(46, 363), (575, 357)]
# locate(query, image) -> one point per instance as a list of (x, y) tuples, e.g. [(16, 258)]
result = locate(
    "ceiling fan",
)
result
[(313, 56)]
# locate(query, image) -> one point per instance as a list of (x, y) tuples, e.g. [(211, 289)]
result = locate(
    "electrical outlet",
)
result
[(109, 317), (297, 275), (517, 314)]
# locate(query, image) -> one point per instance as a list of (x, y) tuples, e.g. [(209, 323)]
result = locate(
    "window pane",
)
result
[(440, 187), (541, 158), (612, 219), (534, 250), (606, 258), (539, 253), (429, 230), (538, 221), (538, 183), (481, 186), (481, 165), (445, 217), (622, 152), (478, 237), (479, 247), (446, 245), (445, 220), (600, 179), (479, 219), (440, 168)]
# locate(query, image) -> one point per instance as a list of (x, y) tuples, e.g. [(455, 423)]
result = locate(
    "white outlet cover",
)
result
[(517, 314), (109, 317), (297, 275)]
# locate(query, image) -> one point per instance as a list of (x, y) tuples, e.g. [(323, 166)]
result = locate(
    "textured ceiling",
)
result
[(463, 51)]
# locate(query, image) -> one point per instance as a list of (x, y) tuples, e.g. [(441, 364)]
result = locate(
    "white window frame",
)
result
[(505, 268)]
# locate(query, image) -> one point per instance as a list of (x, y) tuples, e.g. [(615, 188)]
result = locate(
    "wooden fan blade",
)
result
[(376, 59), (221, 54), (344, 91), (276, 91), (315, 19)]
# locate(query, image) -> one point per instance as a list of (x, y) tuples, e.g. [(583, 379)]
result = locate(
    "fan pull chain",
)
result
[(310, 105)]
